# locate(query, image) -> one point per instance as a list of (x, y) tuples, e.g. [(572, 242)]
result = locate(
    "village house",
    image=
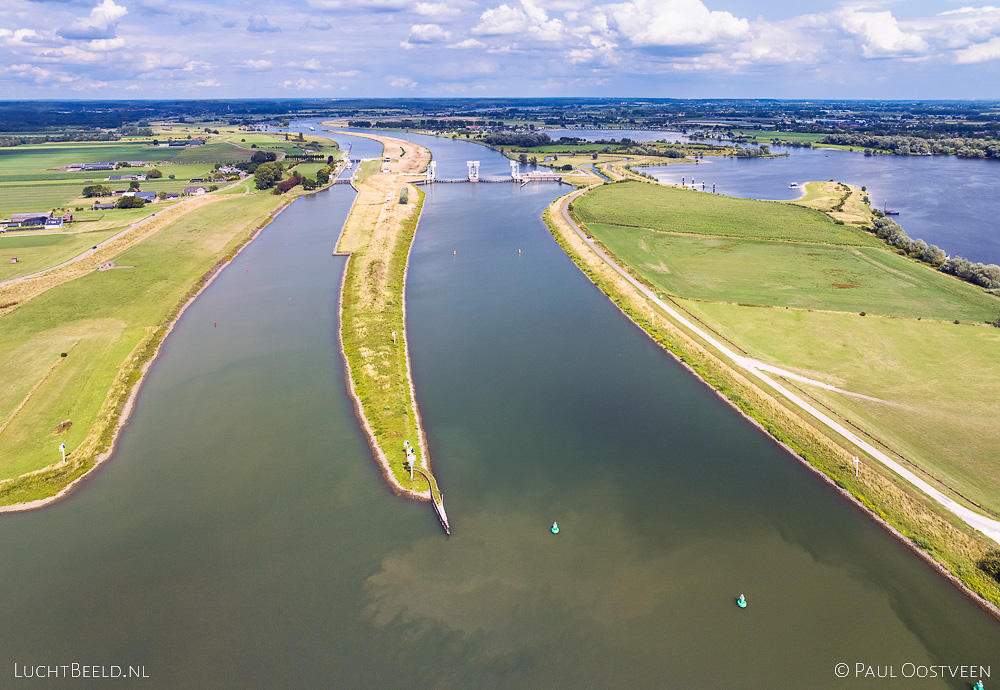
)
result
[(26, 220), (195, 191)]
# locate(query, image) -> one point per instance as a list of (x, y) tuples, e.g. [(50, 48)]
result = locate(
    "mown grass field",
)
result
[(940, 379), (802, 276), (680, 210), (367, 169), (38, 252), (99, 320), (30, 180)]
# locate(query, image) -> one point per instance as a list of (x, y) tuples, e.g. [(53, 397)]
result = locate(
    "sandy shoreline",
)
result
[(129, 404)]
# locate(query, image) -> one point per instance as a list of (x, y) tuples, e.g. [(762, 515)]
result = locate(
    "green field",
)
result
[(939, 379), (37, 252), (98, 320), (801, 276), (212, 152), (679, 210), (367, 169)]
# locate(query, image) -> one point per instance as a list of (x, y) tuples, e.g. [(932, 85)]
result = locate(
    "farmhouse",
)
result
[(195, 191), (103, 207), (27, 220)]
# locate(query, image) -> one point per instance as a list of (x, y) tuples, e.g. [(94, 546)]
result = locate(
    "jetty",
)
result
[(437, 500)]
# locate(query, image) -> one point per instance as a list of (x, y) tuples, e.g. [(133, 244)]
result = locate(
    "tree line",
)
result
[(963, 147), (983, 275)]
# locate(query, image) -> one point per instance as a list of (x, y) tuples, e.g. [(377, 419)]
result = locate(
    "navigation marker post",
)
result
[(857, 464), (62, 448), (394, 337)]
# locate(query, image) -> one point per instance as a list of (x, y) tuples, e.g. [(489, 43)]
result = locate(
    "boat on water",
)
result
[(794, 185), (742, 602), (886, 211), (312, 129)]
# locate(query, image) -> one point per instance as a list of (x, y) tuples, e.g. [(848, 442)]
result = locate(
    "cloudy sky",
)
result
[(337, 48)]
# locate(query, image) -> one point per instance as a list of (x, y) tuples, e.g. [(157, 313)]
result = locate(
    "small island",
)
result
[(377, 238)]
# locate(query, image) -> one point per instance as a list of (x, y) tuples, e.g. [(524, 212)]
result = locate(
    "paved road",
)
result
[(986, 525)]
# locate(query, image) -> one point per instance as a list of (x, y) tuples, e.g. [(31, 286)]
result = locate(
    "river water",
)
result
[(242, 536), (944, 200)]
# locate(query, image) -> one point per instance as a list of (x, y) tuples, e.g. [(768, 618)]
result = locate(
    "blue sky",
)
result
[(358, 48)]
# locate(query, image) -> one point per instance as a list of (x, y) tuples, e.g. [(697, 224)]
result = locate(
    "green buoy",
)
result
[(555, 528), (742, 602), (978, 686)]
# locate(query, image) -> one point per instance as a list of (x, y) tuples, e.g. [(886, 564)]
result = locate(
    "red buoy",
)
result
[(215, 324)]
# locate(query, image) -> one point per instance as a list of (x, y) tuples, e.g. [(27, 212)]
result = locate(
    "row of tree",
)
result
[(519, 139), (963, 147), (984, 275)]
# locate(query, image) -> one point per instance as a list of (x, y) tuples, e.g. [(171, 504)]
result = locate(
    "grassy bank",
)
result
[(378, 235), (109, 325), (936, 533)]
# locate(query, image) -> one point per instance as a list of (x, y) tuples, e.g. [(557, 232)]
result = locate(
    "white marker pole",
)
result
[(857, 463), (62, 448), (394, 337)]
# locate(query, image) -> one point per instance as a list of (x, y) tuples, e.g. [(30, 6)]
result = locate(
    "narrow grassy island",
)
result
[(377, 236), (833, 342)]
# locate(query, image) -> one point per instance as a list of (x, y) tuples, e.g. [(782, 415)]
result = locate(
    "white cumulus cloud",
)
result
[(529, 18), (880, 34), (673, 23), (102, 22)]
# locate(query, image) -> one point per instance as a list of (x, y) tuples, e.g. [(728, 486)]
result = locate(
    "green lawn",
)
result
[(367, 169), (213, 152), (940, 378), (802, 276), (679, 210), (98, 320), (37, 252), (773, 298)]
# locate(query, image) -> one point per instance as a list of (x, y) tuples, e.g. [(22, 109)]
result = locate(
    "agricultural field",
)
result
[(36, 252), (211, 153), (796, 301), (684, 211), (30, 178), (800, 276), (939, 381), (98, 321)]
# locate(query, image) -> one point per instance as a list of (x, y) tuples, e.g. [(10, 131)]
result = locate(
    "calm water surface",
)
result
[(948, 201), (242, 536)]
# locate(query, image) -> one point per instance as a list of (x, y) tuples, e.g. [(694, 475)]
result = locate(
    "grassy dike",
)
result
[(110, 325), (930, 530), (377, 236)]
